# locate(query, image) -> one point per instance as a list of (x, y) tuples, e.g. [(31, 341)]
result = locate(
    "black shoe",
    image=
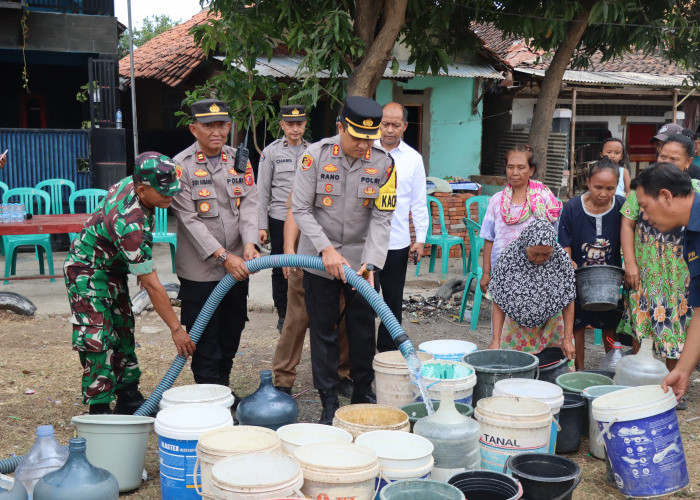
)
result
[(129, 399), (286, 390), (281, 313), (329, 400), (363, 394), (345, 388), (280, 324), (100, 409)]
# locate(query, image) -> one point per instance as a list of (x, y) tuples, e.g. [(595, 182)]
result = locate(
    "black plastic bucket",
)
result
[(572, 419), (487, 485), (553, 363), (493, 365), (598, 287), (544, 477)]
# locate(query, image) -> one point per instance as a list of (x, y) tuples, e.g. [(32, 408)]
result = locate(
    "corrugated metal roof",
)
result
[(286, 67), (616, 78)]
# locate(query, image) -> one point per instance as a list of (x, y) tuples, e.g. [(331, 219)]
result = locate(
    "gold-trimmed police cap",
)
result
[(210, 110), (293, 113), (362, 116)]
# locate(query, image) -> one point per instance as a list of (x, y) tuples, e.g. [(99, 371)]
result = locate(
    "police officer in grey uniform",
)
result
[(343, 201), (217, 213), (275, 178)]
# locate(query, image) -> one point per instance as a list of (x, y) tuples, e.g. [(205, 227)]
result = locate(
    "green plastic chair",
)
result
[(55, 189), (3, 188), (482, 203), (161, 234), (476, 243), (41, 242), (444, 240), (92, 199)]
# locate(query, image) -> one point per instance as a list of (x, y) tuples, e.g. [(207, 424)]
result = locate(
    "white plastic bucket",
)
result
[(451, 350), (643, 440), (116, 443), (392, 379), (401, 455), (338, 470), (229, 441), (294, 435), (540, 390), (178, 428), (511, 425), (462, 384), (255, 476), (213, 394)]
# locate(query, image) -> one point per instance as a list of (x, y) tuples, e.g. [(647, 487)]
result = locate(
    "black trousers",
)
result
[(213, 359), (279, 284), (391, 282), (322, 298)]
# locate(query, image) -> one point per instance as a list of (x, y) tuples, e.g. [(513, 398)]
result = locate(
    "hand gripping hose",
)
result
[(402, 341)]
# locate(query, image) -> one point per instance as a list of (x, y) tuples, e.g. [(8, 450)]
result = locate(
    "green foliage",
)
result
[(152, 26)]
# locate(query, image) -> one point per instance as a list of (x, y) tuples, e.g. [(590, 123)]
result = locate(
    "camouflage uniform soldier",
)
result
[(117, 240)]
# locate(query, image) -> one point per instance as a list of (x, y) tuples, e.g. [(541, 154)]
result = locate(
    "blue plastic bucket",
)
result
[(178, 429), (450, 350), (643, 441)]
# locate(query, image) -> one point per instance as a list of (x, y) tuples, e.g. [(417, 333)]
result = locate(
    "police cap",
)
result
[(293, 113), (210, 110), (362, 116)]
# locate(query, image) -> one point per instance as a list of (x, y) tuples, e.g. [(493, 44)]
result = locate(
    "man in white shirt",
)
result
[(410, 198)]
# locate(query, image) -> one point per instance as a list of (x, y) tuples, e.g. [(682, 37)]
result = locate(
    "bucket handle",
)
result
[(570, 490), (556, 422), (606, 429), (194, 478), (427, 386)]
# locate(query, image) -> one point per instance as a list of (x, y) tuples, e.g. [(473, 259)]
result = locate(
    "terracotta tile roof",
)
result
[(169, 57)]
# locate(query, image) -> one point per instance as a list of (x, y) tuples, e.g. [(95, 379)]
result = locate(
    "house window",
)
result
[(589, 137), (33, 111)]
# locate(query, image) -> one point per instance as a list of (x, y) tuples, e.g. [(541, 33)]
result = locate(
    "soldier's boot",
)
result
[(100, 409), (129, 399), (329, 400), (344, 388), (363, 393), (281, 314)]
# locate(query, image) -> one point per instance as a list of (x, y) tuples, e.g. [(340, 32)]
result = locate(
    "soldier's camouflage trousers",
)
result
[(103, 335)]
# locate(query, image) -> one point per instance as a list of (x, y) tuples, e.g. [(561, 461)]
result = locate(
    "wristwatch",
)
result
[(221, 259)]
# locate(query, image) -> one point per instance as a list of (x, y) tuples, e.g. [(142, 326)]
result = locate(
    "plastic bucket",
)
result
[(496, 364), (116, 443), (416, 411), (598, 287), (393, 384), (543, 391), (255, 476), (450, 350), (295, 435), (553, 362), (545, 477), (594, 447), (511, 425), (230, 441), (572, 420), (413, 489), (213, 394), (643, 441), (454, 375), (487, 485), (358, 419), (401, 455), (338, 470), (178, 428), (578, 381)]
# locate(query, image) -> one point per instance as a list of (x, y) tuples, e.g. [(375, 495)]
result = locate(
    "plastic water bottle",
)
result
[(641, 368), (45, 456), (119, 118), (611, 358)]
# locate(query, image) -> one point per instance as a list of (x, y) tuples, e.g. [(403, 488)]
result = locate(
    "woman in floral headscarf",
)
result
[(511, 210), (533, 290)]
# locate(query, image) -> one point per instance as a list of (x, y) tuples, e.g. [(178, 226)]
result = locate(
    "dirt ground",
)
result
[(36, 355)]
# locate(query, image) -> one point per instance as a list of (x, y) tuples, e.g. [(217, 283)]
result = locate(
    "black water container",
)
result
[(572, 419)]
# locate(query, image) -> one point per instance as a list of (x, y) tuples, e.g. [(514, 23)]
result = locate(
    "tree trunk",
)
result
[(549, 90), (367, 75), (366, 19)]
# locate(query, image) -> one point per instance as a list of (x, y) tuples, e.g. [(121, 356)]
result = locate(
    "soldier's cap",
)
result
[(158, 171), (210, 110), (362, 116), (293, 113), (666, 131)]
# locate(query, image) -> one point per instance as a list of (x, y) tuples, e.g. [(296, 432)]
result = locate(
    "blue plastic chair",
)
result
[(55, 189), (92, 199), (444, 240), (41, 242), (476, 244), (161, 234)]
